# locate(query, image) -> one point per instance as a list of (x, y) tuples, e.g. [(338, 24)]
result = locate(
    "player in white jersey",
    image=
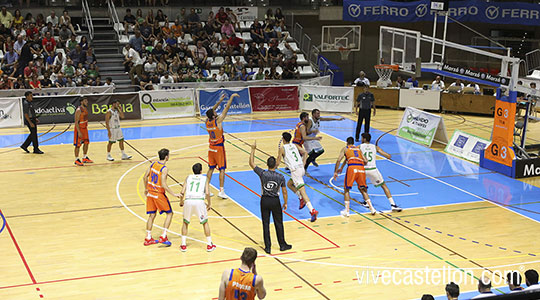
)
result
[(194, 193), (372, 173), (314, 147), (295, 157), (112, 122)]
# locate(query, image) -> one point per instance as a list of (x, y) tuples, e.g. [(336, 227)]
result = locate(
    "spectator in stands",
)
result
[(252, 54), (6, 83), (19, 43), (49, 28), (129, 22), (459, 84), (193, 19), (70, 82), (65, 19), (161, 18), (63, 35), (274, 74), (69, 69), (60, 80), (400, 83), (361, 80), (243, 75), (227, 29), (139, 18), (136, 42), (259, 75), (484, 287), (70, 45), (150, 66), (17, 18), (198, 33), (30, 70), (274, 54), (290, 71), (211, 24), (176, 29), (98, 82), (228, 66), (437, 84), (5, 17), (256, 32), (166, 78), (288, 52), (92, 72), (279, 28), (269, 15), (40, 20), (531, 279), (150, 17), (222, 76), (34, 83), (46, 82), (108, 82), (221, 16), (182, 18), (60, 60), (263, 55), (233, 18), (412, 80), (53, 19), (32, 31), (9, 61), (49, 44), (427, 297), (133, 62), (77, 55), (452, 291), (90, 58), (268, 29), (84, 43), (514, 281)]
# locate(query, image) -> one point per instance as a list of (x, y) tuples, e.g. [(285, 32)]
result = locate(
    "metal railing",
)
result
[(113, 14), (88, 19), (532, 61), (306, 45)]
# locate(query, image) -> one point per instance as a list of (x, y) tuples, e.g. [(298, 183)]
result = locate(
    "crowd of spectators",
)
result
[(43, 52), (162, 51)]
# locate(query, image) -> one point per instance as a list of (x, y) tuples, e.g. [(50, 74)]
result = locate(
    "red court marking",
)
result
[(19, 250), (319, 249), (87, 165), (337, 281), (317, 284), (335, 245), (298, 287)]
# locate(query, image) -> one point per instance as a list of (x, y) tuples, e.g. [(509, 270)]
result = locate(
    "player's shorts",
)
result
[(77, 142), (355, 173), (195, 207), (157, 201), (374, 177), (216, 157), (313, 145), (297, 177), (116, 135)]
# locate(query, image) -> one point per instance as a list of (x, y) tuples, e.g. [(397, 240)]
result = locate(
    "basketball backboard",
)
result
[(338, 37)]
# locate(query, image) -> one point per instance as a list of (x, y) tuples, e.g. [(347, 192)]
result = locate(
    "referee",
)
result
[(271, 181), (364, 102), (31, 121)]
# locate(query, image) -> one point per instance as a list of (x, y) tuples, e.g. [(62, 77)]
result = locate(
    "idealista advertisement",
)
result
[(167, 104), (422, 127), (324, 98)]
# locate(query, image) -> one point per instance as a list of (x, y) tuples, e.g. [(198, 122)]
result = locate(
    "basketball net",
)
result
[(344, 53), (385, 72)]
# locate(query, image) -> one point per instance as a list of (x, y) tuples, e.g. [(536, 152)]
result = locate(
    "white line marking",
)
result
[(331, 181)]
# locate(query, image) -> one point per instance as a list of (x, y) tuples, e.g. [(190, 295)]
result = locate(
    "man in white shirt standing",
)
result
[(361, 80), (133, 57), (437, 84)]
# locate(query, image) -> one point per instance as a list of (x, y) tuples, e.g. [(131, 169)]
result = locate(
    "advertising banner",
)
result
[(209, 97), (322, 80), (518, 13), (61, 109), (466, 146), (422, 127), (330, 99), (274, 98), (527, 168), (500, 150), (170, 104), (80, 90), (419, 98), (243, 13), (11, 114)]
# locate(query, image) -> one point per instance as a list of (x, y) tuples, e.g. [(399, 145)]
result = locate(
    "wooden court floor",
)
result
[(77, 232)]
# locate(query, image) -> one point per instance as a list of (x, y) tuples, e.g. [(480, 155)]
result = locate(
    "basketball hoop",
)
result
[(385, 72), (344, 53)]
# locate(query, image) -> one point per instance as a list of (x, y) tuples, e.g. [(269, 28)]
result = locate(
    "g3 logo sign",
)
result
[(503, 152), (500, 112)]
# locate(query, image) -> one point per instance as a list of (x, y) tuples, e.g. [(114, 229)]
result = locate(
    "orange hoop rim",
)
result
[(344, 49), (393, 67)]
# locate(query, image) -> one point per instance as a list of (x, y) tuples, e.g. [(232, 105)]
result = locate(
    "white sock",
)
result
[(391, 201), (148, 234), (183, 240), (298, 194), (109, 154), (209, 240), (164, 233), (78, 158), (309, 206), (123, 153), (85, 156), (221, 189)]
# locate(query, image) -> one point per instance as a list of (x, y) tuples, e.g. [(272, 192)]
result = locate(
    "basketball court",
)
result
[(77, 232)]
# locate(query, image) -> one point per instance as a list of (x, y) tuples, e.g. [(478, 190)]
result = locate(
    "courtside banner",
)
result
[(209, 97), (56, 109), (326, 98), (98, 105), (466, 146), (274, 98), (11, 114), (422, 127), (170, 104)]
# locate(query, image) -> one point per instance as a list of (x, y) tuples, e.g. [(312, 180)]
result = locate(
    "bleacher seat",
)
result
[(191, 47), (189, 38), (217, 35), (279, 69), (218, 61), (190, 61), (246, 37), (307, 71), (1, 54), (124, 39), (301, 59), (119, 27), (294, 46), (58, 50)]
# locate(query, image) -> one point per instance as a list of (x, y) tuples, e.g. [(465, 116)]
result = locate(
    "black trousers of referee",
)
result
[(272, 205), (32, 137), (363, 114)]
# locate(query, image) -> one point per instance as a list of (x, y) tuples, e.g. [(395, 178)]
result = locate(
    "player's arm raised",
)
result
[(337, 168), (219, 102), (252, 155), (164, 183), (226, 109), (381, 152), (306, 137), (223, 284)]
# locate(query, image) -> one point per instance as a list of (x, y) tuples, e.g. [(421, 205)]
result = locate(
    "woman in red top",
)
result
[(35, 83)]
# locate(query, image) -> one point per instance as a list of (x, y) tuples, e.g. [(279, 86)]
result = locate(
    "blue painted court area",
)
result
[(3, 222), (471, 294)]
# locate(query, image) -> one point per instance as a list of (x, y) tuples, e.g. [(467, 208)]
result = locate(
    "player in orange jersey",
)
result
[(242, 283), (216, 150), (355, 173), (300, 131), (81, 133), (156, 185)]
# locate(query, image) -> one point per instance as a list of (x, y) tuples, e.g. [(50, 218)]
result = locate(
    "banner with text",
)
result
[(170, 104), (466, 146), (422, 127), (209, 97), (59, 91), (243, 13), (11, 114), (98, 105), (274, 98), (331, 99), (56, 109), (322, 80), (518, 13)]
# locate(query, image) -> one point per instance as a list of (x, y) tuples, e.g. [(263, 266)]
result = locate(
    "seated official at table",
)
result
[(459, 84), (437, 84), (475, 86), (414, 81), (400, 83)]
